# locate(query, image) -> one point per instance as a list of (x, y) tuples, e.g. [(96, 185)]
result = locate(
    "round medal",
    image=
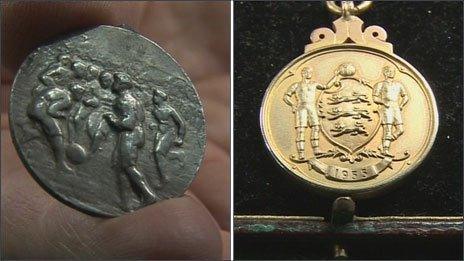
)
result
[(349, 116), (107, 121)]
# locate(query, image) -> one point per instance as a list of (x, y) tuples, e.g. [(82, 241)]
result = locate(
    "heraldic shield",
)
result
[(348, 116)]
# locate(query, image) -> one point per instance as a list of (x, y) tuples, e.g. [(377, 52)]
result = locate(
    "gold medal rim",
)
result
[(387, 184)]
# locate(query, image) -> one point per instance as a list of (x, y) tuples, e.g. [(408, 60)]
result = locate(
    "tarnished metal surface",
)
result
[(342, 211), (317, 226), (107, 121)]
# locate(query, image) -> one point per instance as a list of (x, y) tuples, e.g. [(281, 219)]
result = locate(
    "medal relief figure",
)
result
[(92, 104), (84, 100), (50, 101), (97, 128), (74, 91), (127, 120), (171, 132), (347, 121), (392, 97), (301, 96)]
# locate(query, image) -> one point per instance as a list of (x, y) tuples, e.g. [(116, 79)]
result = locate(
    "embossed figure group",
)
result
[(389, 94), (94, 102)]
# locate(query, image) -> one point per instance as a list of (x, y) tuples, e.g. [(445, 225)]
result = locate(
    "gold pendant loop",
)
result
[(354, 10)]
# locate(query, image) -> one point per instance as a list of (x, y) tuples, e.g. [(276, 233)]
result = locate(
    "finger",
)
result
[(29, 24), (225, 235), (10, 161), (35, 225), (176, 229), (216, 88), (196, 34), (215, 96), (212, 184), (4, 99)]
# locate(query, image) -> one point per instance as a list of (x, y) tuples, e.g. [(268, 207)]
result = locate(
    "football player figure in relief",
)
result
[(171, 132), (392, 97), (127, 119), (304, 108)]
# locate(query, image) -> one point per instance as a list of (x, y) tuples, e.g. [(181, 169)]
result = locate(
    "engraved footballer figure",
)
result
[(127, 119), (304, 108), (392, 97), (171, 132), (50, 102)]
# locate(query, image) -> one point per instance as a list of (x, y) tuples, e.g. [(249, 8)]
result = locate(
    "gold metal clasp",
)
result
[(348, 7), (349, 29)]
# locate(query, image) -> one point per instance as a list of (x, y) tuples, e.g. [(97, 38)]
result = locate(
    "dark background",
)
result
[(369, 248), (268, 35)]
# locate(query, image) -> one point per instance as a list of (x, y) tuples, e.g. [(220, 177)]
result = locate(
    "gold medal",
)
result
[(349, 116)]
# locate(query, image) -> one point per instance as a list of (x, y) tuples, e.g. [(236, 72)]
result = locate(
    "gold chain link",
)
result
[(342, 10)]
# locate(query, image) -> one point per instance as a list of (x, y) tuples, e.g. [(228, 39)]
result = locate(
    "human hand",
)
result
[(196, 226)]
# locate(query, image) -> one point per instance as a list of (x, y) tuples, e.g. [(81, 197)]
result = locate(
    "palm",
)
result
[(36, 225)]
